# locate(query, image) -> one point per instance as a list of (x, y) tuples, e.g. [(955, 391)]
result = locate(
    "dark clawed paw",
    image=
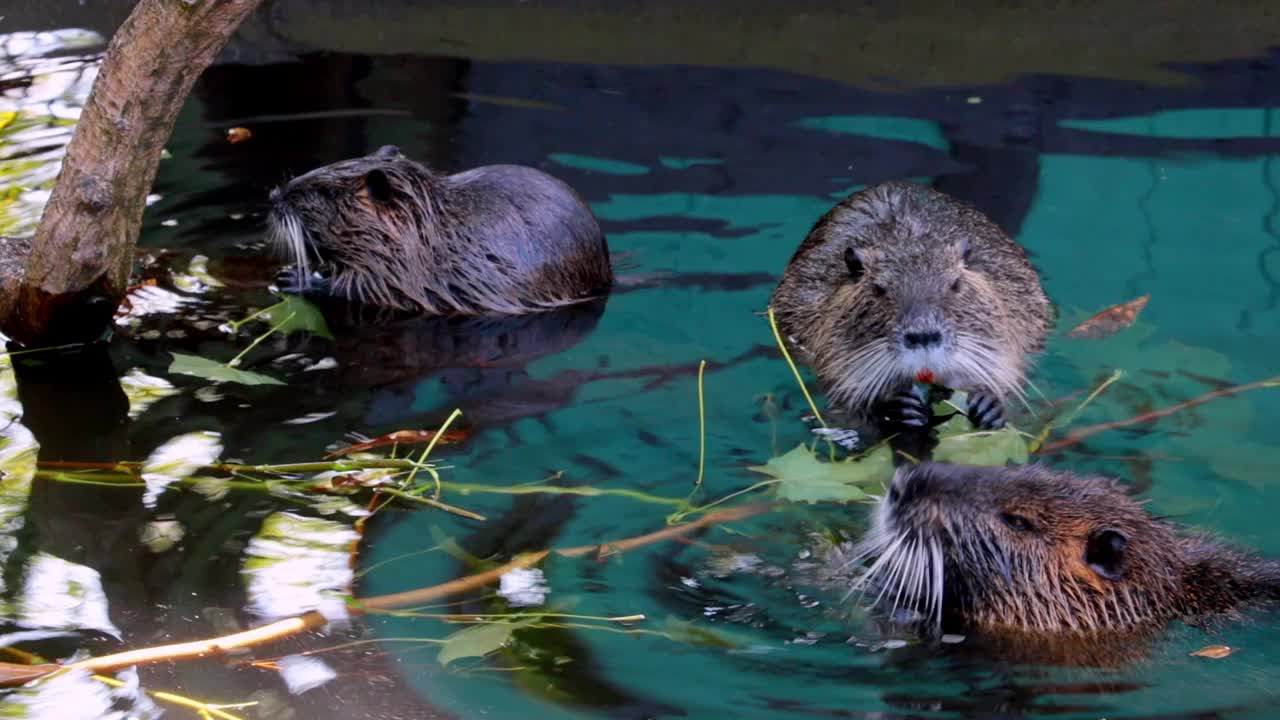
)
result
[(848, 440), (905, 410), (289, 280), (986, 412)]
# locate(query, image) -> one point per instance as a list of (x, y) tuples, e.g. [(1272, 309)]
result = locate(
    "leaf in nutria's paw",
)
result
[(479, 640), (197, 366), (1214, 652), (802, 477), (294, 314), (1111, 320), (959, 443)]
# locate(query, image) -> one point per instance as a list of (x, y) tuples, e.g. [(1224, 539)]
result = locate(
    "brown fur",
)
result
[(500, 239), (1019, 555), (928, 260)]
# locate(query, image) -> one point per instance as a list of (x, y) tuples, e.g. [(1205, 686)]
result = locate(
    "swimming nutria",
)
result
[(1028, 551), (387, 231), (899, 282)]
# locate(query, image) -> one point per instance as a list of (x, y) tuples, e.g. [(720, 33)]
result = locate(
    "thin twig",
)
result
[(702, 427), (1078, 436), (777, 336)]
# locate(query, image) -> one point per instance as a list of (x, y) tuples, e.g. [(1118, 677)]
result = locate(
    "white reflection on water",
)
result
[(63, 595), (43, 86), (296, 564), (77, 696)]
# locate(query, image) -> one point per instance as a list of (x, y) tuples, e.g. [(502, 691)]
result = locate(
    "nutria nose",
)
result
[(274, 195), (928, 339)]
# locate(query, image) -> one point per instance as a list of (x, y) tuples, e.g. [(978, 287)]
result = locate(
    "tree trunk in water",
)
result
[(77, 267)]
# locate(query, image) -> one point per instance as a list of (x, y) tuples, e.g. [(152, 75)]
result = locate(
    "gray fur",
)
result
[(499, 239)]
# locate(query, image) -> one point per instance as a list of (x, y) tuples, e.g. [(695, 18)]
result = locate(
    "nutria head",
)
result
[(359, 220), (900, 280), (1022, 549)]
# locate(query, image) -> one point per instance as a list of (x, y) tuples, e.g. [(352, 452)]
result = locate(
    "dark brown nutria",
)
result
[(1037, 553), (900, 282), (384, 230)]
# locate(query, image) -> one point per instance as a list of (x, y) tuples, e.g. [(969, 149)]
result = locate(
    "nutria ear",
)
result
[(388, 151), (853, 262), (378, 185), (1104, 553)]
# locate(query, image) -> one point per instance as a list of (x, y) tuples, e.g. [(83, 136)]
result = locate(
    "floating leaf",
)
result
[(1111, 320), (479, 640), (197, 366), (1214, 652), (804, 478), (294, 314)]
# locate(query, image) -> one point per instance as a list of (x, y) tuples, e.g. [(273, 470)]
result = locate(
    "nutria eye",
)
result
[(1104, 553), (878, 290), (852, 262), (1017, 522), (955, 286), (379, 186)]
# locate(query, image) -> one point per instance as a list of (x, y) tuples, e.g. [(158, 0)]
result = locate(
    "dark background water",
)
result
[(1132, 154)]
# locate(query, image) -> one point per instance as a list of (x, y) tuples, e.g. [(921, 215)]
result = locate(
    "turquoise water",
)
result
[(703, 196)]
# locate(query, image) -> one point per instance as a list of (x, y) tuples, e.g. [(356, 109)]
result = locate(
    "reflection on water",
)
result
[(45, 79), (704, 179)]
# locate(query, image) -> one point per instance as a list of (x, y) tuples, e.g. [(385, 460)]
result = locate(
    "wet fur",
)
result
[(940, 546), (499, 239), (912, 242)]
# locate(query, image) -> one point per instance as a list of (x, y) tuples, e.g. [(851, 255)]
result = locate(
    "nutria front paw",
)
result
[(289, 280), (904, 410), (986, 412), (848, 440)]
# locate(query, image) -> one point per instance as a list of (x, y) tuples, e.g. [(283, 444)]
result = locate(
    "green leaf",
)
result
[(804, 478), (997, 447), (479, 640), (294, 314), (959, 443), (197, 366)]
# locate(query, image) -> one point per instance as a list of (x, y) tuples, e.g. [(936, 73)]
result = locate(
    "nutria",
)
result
[(384, 230), (1036, 553), (900, 282)]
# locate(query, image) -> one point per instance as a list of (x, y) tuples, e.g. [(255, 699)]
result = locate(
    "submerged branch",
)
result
[(16, 674), (1076, 437)]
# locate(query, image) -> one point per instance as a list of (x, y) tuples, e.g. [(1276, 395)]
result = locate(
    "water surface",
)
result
[(704, 178)]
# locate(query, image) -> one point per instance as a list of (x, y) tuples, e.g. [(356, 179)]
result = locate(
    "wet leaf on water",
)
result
[(479, 640), (238, 134), (1214, 652), (804, 478), (1111, 320), (197, 366), (294, 314)]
